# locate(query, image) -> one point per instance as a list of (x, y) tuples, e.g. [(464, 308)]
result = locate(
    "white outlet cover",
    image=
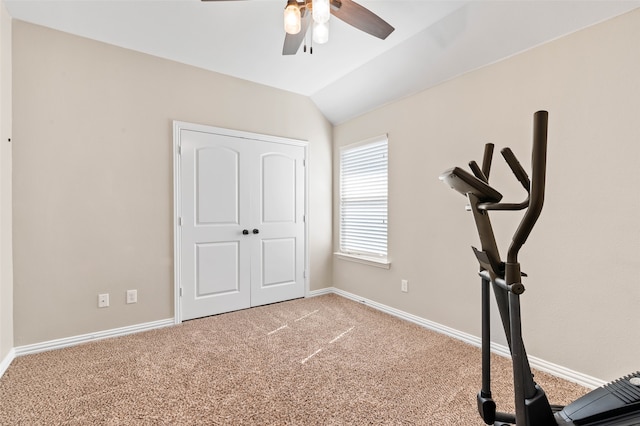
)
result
[(132, 296), (103, 300)]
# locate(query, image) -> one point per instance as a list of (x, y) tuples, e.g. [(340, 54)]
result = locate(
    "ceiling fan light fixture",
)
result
[(321, 11), (292, 18), (320, 32)]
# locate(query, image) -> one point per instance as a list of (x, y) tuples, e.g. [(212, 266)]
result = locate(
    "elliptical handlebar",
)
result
[(489, 199), (538, 178), (516, 168)]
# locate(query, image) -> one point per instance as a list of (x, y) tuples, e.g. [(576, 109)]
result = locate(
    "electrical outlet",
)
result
[(132, 296), (404, 286), (103, 300)]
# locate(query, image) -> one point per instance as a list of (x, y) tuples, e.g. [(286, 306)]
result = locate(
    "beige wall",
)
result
[(6, 264), (92, 187), (583, 291), (93, 198)]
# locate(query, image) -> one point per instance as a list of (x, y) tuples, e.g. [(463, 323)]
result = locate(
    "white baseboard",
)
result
[(537, 363), (6, 361), (327, 290), (565, 373), (84, 338)]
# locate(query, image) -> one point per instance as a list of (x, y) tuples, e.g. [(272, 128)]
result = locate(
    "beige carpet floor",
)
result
[(319, 361)]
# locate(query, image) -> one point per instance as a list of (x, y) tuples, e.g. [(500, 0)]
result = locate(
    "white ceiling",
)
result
[(354, 72)]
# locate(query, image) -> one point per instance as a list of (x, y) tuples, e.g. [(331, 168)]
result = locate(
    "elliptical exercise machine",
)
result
[(616, 403)]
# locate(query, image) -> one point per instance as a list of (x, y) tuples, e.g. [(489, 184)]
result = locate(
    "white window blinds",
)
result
[(363, 198)]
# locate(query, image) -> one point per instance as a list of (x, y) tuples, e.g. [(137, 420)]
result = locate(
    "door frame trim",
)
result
[(178, 126)]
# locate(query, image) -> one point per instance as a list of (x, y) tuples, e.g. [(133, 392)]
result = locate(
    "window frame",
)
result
[(378, 259)]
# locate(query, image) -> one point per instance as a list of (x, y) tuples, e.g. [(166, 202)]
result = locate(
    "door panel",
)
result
[(230, 184), (217, 268), (218, 183), (278, 269), (278, 261), (278, 188), (215, 256)]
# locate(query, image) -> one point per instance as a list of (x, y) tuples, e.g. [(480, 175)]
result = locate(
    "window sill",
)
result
[(378, 262)]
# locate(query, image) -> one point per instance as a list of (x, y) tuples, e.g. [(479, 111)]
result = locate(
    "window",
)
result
[(363, 199)]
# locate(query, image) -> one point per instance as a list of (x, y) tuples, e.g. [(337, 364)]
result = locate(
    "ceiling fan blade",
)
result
[(292, 42), (361, 18)]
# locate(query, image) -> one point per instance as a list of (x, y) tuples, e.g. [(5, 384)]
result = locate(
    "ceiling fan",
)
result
[(300, 16)]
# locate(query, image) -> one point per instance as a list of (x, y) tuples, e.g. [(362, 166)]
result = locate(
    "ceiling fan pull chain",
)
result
[(304, 46)]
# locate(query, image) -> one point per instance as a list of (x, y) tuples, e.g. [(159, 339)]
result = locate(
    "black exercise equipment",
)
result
[(616, 403)]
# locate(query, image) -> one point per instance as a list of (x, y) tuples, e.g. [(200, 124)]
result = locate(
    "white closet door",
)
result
[(277, 260), (242, 237), (215, 255)]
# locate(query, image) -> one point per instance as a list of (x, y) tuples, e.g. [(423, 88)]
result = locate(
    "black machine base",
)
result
[(614, 404)]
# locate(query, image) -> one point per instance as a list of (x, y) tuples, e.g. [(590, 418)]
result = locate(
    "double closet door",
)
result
[(241, 221)]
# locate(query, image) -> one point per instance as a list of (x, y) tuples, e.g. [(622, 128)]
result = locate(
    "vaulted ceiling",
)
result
[(354, 72)]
